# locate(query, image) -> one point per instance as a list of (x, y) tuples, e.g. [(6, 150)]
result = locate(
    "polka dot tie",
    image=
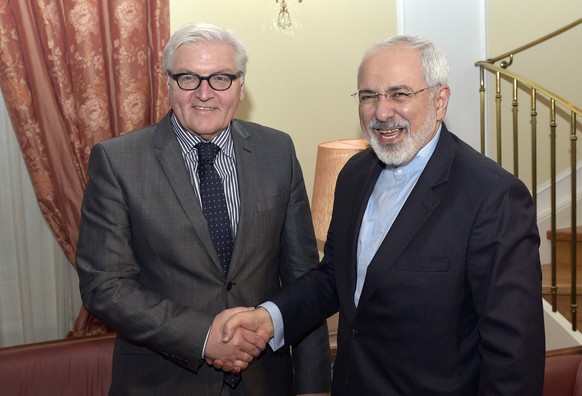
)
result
[(216, 213), (214, 203)]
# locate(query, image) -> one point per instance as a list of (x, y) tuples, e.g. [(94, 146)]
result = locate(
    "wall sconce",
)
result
[(331, 158), (284, 19)]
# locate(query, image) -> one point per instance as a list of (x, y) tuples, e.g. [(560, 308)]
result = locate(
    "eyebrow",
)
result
[(188, 71), (391, 89)]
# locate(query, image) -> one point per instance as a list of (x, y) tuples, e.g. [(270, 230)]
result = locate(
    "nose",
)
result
[(385, 108), (204, 91)]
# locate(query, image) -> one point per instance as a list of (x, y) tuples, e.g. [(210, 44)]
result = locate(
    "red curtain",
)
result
[(74, 73)]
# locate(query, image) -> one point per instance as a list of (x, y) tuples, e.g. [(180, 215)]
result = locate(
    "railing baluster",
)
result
[(498, 114), (534, 147), (482, 105), (574, 239), (553, 199), (514, 110)]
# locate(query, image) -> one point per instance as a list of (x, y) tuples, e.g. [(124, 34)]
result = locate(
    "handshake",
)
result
[(237, 336)]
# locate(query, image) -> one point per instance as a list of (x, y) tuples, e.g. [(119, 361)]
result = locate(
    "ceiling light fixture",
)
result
[(284, 19)]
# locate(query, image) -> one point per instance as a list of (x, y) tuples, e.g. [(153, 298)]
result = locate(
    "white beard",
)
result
[(402, 153)]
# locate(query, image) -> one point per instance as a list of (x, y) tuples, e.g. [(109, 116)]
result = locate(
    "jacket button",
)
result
[(355, 333)]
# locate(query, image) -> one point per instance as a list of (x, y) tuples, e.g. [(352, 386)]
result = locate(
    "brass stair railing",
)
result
[(557, 107)]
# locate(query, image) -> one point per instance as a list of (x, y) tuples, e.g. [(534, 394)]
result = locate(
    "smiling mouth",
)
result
[(203, 108), (390, 132)]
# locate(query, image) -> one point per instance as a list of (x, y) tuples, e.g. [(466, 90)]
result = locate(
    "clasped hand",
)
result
[(255, 327), (237, 336)]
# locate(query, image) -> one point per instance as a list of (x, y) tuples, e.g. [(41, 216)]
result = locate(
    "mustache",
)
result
[(388, 124)]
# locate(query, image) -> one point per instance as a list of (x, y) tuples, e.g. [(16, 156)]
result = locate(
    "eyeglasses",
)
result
[(217, 81), (367, 97)]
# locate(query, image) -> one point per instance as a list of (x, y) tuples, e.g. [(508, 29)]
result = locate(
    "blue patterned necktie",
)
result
[(214, 203), (216, 213)]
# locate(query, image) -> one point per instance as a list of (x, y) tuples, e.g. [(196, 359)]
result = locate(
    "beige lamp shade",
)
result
[(331, 158)]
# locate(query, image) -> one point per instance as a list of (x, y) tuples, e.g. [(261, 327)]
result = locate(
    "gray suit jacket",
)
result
[(148, 268)]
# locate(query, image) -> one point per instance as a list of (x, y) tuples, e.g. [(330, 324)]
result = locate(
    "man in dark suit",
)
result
[(431, 256), (149, 262)]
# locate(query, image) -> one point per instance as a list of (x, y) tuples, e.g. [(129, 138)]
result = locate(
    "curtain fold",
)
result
[(72, 74), (39, 292)]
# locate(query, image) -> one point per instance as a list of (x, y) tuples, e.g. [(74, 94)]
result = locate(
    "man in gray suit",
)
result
[(149, 261)]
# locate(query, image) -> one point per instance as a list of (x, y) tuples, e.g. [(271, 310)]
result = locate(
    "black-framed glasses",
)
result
[(217, 81), (366, 97)]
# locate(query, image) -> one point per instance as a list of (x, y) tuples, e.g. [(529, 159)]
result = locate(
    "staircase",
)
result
[(564, 274)]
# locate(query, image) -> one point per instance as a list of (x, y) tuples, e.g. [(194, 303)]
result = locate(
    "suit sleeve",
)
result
[(504, 275), (311, 361), (108, 272)]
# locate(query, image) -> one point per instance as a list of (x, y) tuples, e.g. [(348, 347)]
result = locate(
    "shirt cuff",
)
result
[(206, 341), (278, 340)]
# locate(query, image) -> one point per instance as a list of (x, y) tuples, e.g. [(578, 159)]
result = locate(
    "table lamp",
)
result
[(331, 157)]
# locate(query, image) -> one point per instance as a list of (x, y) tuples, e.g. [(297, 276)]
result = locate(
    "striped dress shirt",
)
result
[(225, 164)]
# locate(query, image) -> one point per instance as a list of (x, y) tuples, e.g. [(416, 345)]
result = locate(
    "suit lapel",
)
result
[(409, 221), (168, 152), (364, 182), (247, 173), (417, 209)]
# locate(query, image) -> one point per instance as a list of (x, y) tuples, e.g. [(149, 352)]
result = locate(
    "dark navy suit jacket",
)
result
[(451, 304)]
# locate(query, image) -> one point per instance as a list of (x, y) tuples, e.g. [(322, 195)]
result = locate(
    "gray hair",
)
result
[(434, 65), (194, 33)]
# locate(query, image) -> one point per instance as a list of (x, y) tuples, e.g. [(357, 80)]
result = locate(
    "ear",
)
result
[(441, 99), (242, 89), (170, 89)]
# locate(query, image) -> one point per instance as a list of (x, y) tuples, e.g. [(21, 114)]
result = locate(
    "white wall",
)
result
[(458, 27), (559, 332)]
